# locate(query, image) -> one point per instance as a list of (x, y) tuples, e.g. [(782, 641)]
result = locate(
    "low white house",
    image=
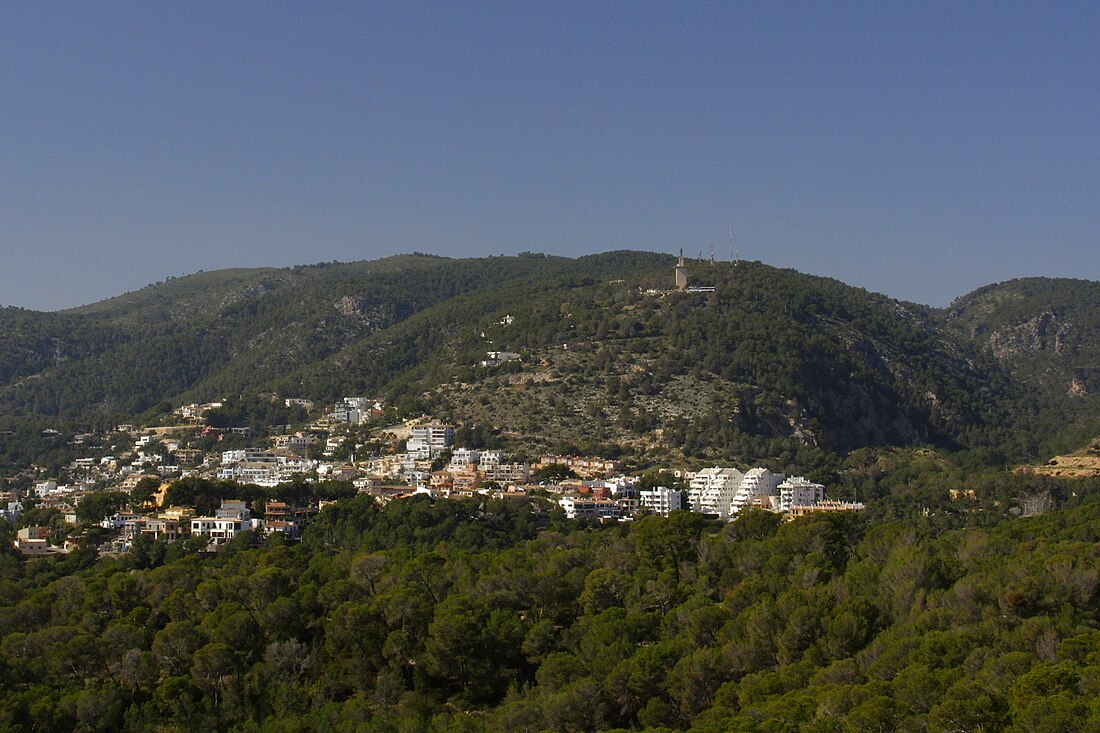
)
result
[(578, 507)]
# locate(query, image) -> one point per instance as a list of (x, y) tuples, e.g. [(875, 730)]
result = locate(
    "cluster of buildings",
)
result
[(46, 494), (227, 521), (468, 469), (266, 467), (583, 466), (175, 523), (430, 464), (721, 493), (465, 471)]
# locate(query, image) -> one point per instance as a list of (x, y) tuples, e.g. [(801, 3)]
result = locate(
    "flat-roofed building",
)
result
[(797, 491), (577, 507), (660, 500), (823, 507)]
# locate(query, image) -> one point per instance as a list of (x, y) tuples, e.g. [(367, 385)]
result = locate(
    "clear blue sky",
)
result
[(916, 149)]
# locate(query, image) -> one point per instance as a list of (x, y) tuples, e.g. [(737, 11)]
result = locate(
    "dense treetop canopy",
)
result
[(465, 615)]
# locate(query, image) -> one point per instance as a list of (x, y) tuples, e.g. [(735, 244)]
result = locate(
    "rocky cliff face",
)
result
[(372, 312), (1045, 330)]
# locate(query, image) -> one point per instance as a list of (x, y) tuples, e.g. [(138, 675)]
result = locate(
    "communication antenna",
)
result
[(735, 253), (712, 253)]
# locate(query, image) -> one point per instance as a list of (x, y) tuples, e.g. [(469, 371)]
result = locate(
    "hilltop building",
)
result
[(680, 273), (680, 278)]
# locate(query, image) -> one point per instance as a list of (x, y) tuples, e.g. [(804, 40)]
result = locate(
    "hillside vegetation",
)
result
[(771, 364), (462, 616)]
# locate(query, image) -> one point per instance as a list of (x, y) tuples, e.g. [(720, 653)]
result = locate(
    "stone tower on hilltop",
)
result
[(681, 273)]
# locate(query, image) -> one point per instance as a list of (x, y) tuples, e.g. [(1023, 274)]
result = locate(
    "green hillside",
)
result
[(772, 363), (1045, 329), (1046, 333), (769, 356), (938, 608), (149, 349)]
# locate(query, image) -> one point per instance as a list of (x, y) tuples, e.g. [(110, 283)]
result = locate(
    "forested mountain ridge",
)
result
[(206, 293), (936, 609), (147, 349), (1046, 330), (771, 355), (773, 361)]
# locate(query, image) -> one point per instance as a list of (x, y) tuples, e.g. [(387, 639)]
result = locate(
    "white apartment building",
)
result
[(490, 458), (463, 458), (428, 441), (249, 455), (45, 488), (261, 474), (232, 518), (266, 474), (758, 486), (797, 491), (661, 500), (620, 485), (712, 491), (363, 405), (491, 463)]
